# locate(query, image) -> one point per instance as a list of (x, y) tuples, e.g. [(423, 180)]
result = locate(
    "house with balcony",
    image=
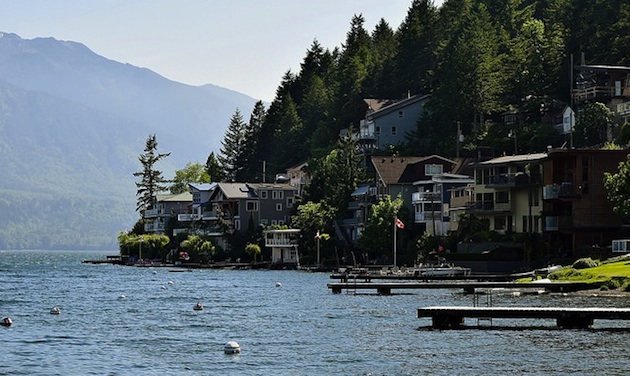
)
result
[(242, 205), (164, 208), (608, 84), (508, 192), (577, 213), (387, 121), (432, 201), (284, 247)]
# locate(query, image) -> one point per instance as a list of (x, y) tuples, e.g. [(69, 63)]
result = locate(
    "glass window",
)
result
[(433, 169)]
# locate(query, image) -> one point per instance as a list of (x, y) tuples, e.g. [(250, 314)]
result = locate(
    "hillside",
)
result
[(72, 124)]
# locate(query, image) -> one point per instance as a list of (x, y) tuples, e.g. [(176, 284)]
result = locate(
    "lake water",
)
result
[(300, 328)]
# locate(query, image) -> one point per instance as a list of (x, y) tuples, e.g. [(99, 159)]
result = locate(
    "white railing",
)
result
[(426, 197)]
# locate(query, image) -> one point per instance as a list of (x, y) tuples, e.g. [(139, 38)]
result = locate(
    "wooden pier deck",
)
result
[(566, 318), (468, 287)]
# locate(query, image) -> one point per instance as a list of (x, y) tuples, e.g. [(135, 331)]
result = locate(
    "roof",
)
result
[(390, 169), (203, 186), (180, 197), (249, 190), (602, 67), (397, 105), (377, 104), (509, 159)]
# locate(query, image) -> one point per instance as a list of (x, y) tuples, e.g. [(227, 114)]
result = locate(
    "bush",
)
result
[(585, 263)]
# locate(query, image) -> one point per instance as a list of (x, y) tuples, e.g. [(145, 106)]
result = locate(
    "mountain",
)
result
[(72, 125)]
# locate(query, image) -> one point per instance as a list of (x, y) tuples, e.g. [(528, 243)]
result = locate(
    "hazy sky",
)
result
[(244, 45)]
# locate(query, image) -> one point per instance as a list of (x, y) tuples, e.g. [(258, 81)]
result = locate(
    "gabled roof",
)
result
[(236, 191), (202, 186), (396, 170), (377, 104), (395, 106), (180, 197)]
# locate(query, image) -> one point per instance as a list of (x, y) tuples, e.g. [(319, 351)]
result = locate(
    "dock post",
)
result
[(574, 322), (447, 321)]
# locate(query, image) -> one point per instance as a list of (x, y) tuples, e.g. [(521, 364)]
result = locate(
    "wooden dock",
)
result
[(566, 318), (467, 287)]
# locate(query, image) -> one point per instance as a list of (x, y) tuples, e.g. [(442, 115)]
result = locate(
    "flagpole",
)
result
[(395, 241)]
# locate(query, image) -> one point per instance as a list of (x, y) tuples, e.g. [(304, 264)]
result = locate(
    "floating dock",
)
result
[(467, 287), (566, 318)]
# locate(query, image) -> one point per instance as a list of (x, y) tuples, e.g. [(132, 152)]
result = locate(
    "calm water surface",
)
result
[(299, 328)]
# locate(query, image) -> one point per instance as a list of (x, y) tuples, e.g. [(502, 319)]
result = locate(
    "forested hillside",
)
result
[(477, 58)]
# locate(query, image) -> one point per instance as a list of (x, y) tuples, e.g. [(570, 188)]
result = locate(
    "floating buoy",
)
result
[(6, 321), (155, 272), (163, 287), (278, 284), (232, 348), (122, 297), (171, 282), (198, 307), (55, 311)]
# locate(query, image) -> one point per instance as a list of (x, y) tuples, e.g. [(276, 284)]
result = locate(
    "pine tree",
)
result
[(151, 182), (251, 148), (213, 168), (232, 145)]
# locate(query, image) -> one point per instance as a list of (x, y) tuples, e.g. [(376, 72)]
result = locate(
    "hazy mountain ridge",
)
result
[(72, 124)]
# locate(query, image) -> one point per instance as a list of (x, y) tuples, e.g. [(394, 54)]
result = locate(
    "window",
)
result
[(502, 197), (433, 169), (237, 224), (401, 114), (251, 206), (263, 195), (377, 130), (277, 195), (499, 223), (278, 207), (289, 202), (394, 131)]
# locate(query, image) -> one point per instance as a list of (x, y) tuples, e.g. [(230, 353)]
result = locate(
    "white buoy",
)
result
[(171, 282), (232, 348), (55, 311), (278, 284), (155, 272), (163, 287), (122, 297), (6, 321)]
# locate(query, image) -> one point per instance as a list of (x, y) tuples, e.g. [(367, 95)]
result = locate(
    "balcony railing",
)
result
[(554, 191), (428, 216), (426, 197), (187, 217), (209, 215), (151, 213)]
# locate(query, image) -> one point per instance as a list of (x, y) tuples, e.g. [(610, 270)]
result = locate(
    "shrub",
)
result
[(585, 263)]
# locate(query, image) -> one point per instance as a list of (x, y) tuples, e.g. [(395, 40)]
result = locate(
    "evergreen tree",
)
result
[(251, 153), (151, 181), (214, 169), (232, 145), (416, 60)]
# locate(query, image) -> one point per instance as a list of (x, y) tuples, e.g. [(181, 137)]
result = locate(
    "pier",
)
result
[(566, 318), (468, 287)]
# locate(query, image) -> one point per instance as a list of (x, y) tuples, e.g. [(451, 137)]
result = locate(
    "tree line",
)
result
[(476, 58)]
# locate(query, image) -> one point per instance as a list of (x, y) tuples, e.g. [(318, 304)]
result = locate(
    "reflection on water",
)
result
[(299, 328)]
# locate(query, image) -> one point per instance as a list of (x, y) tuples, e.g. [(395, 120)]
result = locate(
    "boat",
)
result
[(440, 271)]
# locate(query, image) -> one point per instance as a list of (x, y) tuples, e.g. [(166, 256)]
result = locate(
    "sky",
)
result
[(243, 45)]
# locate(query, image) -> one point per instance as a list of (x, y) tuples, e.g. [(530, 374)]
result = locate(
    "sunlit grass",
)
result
[(612, 274)]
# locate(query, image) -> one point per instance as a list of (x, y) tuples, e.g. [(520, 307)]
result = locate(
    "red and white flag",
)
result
[(399, 223)]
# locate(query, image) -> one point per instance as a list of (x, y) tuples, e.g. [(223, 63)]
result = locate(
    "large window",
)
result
[(433, 169), (277, 195)]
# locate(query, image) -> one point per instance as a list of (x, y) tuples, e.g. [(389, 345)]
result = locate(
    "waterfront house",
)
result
[(284, 247), (507, 191), (164, 209), (578, 215)]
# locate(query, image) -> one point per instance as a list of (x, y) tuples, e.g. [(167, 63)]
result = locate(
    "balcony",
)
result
[(482, 206), (555, 191), (151, 213), (187, 217), (427, 217), (154, 227), (556, 223), (209, 215), (418, 197)]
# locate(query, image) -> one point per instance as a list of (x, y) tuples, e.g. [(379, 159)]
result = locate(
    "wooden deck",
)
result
[(467, 287), (566, 318)]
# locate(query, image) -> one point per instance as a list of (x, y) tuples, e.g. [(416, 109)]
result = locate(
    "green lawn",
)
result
[(612, 273)]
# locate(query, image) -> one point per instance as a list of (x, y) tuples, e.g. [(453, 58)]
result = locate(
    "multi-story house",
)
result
[(299, 177), (432, 201), (284, 247), (508, 192), (608, 84), (252, 204), (164, 208), (386, 121), (578, 214)]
